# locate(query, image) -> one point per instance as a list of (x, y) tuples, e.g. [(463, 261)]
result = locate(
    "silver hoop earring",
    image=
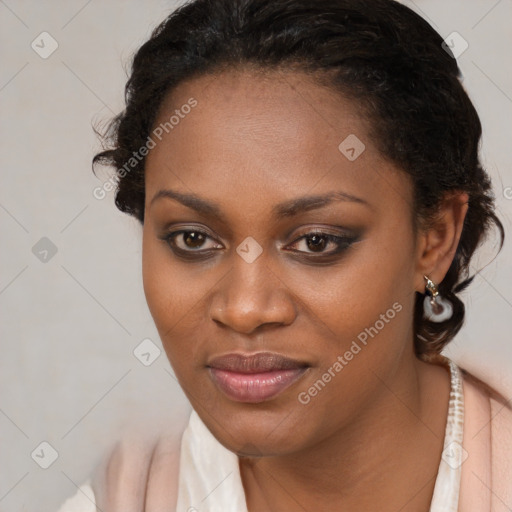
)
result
[(437, 309)]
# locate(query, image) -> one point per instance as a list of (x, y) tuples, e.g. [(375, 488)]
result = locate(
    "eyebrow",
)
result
[(287, 208)]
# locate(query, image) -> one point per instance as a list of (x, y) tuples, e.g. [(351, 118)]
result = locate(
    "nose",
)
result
[(252, 296)]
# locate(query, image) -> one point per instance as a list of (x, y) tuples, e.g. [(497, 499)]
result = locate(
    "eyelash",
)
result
[(343, 243)]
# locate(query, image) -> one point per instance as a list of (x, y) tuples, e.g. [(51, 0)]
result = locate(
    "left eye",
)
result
[(316, 242)]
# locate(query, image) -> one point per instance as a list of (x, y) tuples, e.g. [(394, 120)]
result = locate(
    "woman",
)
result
[(308, 181)]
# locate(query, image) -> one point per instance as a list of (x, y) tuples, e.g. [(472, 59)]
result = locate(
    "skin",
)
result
[(372, 438)]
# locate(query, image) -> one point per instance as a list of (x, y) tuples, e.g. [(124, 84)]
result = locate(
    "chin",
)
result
[(253, 431)]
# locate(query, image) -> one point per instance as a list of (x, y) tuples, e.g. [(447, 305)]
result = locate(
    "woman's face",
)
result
[(252, 170)]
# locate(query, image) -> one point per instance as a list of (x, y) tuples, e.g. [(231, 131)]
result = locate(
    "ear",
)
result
[(437, 242)]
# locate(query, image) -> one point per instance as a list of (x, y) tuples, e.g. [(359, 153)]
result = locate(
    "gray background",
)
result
[(69, 325)]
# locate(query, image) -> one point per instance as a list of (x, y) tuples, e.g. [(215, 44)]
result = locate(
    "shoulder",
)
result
[(500, 407), (491, 414), (82, 501), (139, 472)]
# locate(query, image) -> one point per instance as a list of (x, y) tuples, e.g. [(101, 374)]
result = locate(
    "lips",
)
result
[(256, 377)]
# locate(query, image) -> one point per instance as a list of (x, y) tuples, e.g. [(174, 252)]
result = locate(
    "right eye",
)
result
[(188, 241)]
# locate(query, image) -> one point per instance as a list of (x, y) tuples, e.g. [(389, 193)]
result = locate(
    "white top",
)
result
[(210, 480)]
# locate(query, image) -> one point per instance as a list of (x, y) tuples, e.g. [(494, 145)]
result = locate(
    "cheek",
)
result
[(164, 285), (357, 292), (174, 300), (365, 311), (154, 278), (364, 315)]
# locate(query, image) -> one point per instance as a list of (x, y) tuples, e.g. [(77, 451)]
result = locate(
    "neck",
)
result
[(386, 459)]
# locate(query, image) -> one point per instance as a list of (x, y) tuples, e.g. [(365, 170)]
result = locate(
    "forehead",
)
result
[(273, 108), (255, 138)]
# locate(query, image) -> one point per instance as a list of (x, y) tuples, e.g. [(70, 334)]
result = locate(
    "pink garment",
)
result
[(486, 480), (142, 475)]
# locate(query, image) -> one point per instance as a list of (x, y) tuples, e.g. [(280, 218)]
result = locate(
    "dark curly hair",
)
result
[(378, 53)]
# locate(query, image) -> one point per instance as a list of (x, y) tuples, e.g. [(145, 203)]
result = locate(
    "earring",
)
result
[(436, 308)]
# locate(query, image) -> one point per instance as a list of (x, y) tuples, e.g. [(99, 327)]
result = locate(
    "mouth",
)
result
[(256, 377)]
